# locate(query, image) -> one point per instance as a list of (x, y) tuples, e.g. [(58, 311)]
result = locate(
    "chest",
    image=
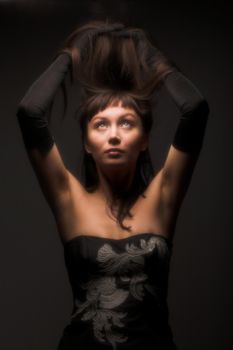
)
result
[(98, 216), (89, 215)]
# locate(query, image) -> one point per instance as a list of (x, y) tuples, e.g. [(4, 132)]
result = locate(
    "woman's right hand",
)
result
[(82, 38)]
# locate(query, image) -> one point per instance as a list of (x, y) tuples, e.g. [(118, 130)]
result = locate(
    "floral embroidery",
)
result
[(103, 294)]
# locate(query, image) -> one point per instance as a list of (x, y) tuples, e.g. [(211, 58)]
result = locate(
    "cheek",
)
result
[(94, 141), (133, 140)]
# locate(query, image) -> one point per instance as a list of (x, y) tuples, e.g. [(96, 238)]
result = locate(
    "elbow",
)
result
[(21, 111), (25, 110), (200, 110), (203, 108)]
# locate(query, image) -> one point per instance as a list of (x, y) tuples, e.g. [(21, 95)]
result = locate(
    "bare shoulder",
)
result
[(75, 193), (153, 189), (75, 185), (162, 214)]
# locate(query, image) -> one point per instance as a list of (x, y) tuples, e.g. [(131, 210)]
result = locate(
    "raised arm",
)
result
[(169, 186), (38, 140), (54, 178), (188, 139)]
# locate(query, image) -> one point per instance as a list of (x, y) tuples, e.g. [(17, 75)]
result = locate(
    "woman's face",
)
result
[(115, 127)]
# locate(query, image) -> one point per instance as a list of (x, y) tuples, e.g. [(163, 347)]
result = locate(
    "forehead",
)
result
[(116, 110)]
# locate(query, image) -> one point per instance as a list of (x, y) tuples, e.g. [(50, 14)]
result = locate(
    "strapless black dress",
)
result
[(119, 293)]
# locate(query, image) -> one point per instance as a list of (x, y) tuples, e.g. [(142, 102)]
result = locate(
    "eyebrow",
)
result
[(121, 116)]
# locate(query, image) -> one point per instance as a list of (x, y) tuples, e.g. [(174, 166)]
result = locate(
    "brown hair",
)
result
[(110, 54), (115, 63), (144, 168)]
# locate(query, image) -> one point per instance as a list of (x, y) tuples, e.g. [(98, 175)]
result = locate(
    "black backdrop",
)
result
[(35, 291)]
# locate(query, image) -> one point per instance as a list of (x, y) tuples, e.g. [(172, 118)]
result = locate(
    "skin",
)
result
[(120, 127)]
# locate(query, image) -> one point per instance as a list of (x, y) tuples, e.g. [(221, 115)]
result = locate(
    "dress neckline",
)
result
[(75, 238)]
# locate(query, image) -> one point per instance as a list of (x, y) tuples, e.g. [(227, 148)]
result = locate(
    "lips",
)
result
[(117, 150)]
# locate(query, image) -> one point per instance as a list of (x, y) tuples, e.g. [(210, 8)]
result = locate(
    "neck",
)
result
[(113, 184)]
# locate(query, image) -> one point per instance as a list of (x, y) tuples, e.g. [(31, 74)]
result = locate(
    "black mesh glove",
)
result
[(31, 110), (194, 112), (192, 105)]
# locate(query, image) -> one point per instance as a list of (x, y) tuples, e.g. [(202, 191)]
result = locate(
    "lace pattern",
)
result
[(104, 294)]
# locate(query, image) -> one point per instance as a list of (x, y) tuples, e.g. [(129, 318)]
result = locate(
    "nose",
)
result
[(114, 137), (114, 140)]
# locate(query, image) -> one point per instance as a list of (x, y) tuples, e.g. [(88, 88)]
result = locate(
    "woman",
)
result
[(117, 227)]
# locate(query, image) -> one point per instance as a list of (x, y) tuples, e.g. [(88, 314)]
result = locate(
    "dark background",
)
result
[(36, 297)]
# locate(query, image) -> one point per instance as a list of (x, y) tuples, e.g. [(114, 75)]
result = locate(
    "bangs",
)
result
[(98, 102)]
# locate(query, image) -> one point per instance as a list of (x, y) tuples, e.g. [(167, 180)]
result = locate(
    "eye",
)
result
[(99, 123), (127, 122)]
